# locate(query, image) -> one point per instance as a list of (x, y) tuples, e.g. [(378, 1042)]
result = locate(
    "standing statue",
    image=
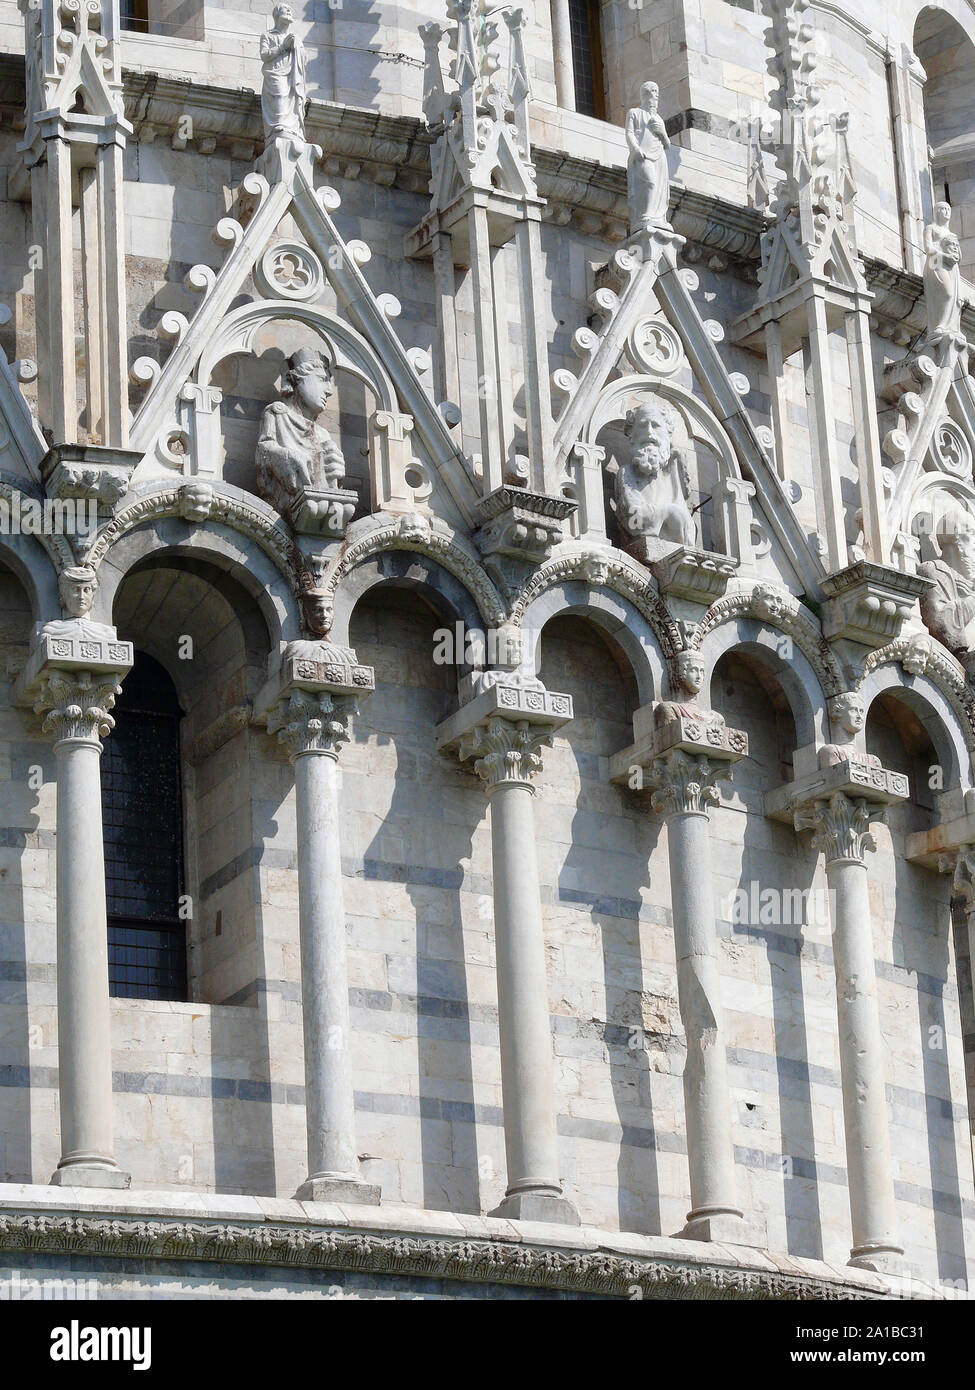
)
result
[(647, 173), (294, 452), (948, 609), (283, 89), (942, 277), (652, 489)]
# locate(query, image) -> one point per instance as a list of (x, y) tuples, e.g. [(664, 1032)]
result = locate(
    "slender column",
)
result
[(313, 723), (506, 752), (685, 787), (870, 462), (76, 704), (841, 826), (565, 88), (819, 402)]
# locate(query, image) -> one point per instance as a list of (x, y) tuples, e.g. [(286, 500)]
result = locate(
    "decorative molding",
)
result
[(473, 1259), (941, 668), (779, 609)]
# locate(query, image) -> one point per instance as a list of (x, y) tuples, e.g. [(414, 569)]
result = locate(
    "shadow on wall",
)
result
[(28, 1050), (410, 817), (927, 1098), (616, 1022), (778, 1052)]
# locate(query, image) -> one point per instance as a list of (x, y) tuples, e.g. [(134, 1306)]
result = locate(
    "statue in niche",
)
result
[(283, 86), (948, 609), (294, 452), (647, 171), (77, 586), (942, 277), (688, 680), (652, 489)]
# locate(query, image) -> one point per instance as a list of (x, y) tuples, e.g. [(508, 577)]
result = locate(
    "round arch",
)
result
[(35, 569), (935, 713), (613, 615), (413, 570), (353, 354), (237, 556), (795, 675)]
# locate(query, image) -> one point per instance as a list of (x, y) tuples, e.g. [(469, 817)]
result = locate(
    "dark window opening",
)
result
[(134, 14), (587, 57), (142, 813)]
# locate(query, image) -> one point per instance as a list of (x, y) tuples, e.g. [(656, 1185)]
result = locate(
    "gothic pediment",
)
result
[(315, 283)]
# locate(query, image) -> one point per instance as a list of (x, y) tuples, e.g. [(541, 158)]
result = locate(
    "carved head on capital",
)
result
[(316, 608), (690, 671), (848, 712), (77, 586)]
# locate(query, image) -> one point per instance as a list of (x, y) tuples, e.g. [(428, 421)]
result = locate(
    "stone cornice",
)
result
[(410, 1242), (395, 150)]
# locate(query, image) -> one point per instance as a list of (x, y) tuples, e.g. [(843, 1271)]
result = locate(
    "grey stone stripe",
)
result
[(463, 1112)]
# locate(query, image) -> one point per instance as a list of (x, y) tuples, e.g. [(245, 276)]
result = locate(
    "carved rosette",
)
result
[(505, 751), (76, 705), (686, 783), (840, 826), (312, 721)]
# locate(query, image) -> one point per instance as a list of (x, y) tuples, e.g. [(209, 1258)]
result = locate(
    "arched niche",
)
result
[(208, 633), (776, 655), (441, 591), (700, 437), (929, 708), (614, 616), (947, 54), (246, 563)]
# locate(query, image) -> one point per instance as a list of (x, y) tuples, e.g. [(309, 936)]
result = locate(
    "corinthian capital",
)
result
[(312, 721), (685, 783), (76, 705), (840, 826), (505, 750)]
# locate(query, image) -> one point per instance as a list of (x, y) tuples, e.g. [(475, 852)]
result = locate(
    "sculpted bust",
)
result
[(948, 609), (295, 452), (647, 173), (689, 679), (283, 86), (77, 586), (848, 713), (651, 490)]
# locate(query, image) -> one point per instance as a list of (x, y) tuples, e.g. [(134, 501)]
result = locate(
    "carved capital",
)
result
[(312, 721), (76, 705), (685, 783), (505, 751), (840, 826)]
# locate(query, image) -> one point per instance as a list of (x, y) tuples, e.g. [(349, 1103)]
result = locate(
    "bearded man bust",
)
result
[(652, 489), (948, 609)]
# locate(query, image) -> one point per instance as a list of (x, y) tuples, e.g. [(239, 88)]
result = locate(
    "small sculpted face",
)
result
[(649, 96), (312, 392), (283, 16), (78, 595), (690, 668), (851, 714), (651, 434), (958, 549)]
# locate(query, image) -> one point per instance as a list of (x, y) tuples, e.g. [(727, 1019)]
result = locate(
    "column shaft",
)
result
[(710, 1152), (329, 1100), (527, 1068), (84, 1024), (861, 1066)]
